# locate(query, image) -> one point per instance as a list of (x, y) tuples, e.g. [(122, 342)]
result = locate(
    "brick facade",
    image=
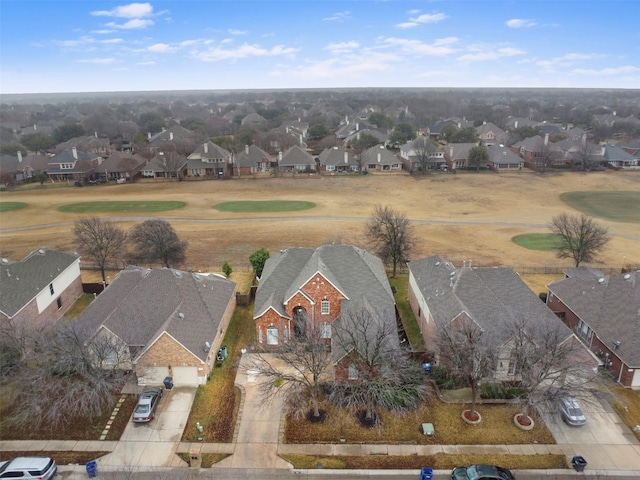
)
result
[(166, 351), (309, 297)]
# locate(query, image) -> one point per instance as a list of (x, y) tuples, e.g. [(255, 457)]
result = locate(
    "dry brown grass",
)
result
[(627, 405), (61, 458), (440, 461), (501, 199), (496, 428)]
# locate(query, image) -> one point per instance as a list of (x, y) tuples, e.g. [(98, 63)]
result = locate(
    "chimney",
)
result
[(246, 149), (584, 139), (450, 150), (95, 134), (346, 157), (379, 157), (148, 135), (206, 147), (484, 122), (515, 124), (35, 127), (546, 139), (280, 156), (19, 156), (74, 152), (170, 136)]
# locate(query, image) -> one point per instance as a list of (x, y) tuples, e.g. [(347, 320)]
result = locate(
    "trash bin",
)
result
[(168, 383), (92, 468), (578, 463), (426, 473), (427, 368)]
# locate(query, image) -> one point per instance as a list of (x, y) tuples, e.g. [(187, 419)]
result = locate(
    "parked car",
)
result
[(147, 403), (481, 472), (569, 410), (42, 468)]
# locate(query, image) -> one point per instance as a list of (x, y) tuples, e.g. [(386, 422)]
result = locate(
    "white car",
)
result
[(42, 468)]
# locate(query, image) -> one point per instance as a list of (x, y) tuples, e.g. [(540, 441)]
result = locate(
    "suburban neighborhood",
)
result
[(286, 359)]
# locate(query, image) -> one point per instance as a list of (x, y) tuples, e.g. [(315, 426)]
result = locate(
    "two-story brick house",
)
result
[(302, 288)]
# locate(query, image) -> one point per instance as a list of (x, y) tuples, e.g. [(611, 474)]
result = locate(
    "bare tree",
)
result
[(99, 239), (548, 155), (391, 235), (299, 368), (585, 156), (156, 240), (547, 358), (579, 237), (468, 352), (381, 373), (172, 163), (423, 148), (64, 377)]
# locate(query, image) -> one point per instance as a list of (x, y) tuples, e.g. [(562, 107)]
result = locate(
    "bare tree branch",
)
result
[(99, 239), (580, 237), (156, 240), (391, 235)]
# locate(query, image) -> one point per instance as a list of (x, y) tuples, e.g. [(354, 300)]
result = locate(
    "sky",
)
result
[(103, 46)]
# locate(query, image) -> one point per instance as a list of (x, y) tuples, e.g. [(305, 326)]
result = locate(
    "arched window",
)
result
[(324, 307), (353, 371)]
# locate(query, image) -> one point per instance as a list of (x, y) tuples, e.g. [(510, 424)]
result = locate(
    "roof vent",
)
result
[(627, 276), (616, 345), (452, 274), (437, 264), (181, 315), (601, 280), (5, 260), (178, 273), (41, 251)]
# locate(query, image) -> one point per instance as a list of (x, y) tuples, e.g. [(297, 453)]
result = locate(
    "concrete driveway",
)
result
[(154, 444)]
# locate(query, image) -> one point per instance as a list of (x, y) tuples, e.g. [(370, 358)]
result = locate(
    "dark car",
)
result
[(42, 468), (481, 472), (147, 403), (569, 410)]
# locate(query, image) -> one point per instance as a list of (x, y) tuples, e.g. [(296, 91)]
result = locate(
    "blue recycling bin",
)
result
[(426, 473), (92, 468), (168, 383), (427, 368)]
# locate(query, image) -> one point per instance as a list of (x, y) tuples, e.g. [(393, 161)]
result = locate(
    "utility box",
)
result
[(195, 459)]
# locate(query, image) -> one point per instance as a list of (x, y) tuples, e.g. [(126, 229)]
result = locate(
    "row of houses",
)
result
[(164, 322)]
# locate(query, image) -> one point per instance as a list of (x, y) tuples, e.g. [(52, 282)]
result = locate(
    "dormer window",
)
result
[(324, 308)]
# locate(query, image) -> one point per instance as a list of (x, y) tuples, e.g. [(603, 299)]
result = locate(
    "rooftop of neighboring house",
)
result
[(22, 280), (141, 304), (296, 155), (379, 155), (209, 150), (608, 304), (336, 156), (502, 155), (495, 298), (251, 156)]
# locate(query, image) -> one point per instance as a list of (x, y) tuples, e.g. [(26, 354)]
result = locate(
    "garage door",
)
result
[(153, 376), (185, 375), (636, 378)]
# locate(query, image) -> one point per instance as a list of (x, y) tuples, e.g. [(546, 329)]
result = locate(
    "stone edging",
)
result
[(236, 429)]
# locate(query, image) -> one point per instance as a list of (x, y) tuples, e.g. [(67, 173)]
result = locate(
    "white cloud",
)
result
[(520, 23), (145, 64), (440, 47), (217, 53), (567, 59), (233, 31), (133, 10), (338, 16), (608, 71), (422, 19), (131, 24), (103, 32), (342, 47), (98, 61), (75, 43), (161, 48), (413, 12), (112, 41), (489, 52)]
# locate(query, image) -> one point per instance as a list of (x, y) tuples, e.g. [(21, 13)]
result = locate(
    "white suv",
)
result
[(42, 468)]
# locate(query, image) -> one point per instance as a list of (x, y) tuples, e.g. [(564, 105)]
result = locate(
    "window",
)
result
[(331, 168), (512, 368), (325, 330), (325, 307), (353, 372), (260, 339), (51, 288), (111, 357), (272, 335), (66, 166), (59, 302)]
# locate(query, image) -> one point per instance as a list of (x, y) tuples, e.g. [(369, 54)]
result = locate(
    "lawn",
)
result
[(216, 403), (78, 307), (264, 206), (11, 206), (61, 458), (615, 206), (401, 284), (545, 242), (627, 406), (440, 461), (120, 207), (496, 428)]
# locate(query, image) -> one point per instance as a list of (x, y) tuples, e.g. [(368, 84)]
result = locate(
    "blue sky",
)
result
[(92, 45)]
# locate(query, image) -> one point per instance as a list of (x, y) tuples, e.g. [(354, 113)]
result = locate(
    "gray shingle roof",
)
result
[(21, 281), (495, 298), (335, 156), (253, 158), (379, 155), (140, 304), (296, 156), (502, 155), (610, 305)]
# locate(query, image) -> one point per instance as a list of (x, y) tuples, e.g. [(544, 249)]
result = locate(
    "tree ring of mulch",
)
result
[(523, 422), (471, 419), (368, 422), (319, 419)]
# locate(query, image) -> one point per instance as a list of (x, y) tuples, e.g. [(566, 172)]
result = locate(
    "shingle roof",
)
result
[(610, 305), (297, 156), (336, 156), (22, 280), (495, 298), (122, 162), (502, 155), (141, 304), (458, 151), (380, 156), (253, 158)]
